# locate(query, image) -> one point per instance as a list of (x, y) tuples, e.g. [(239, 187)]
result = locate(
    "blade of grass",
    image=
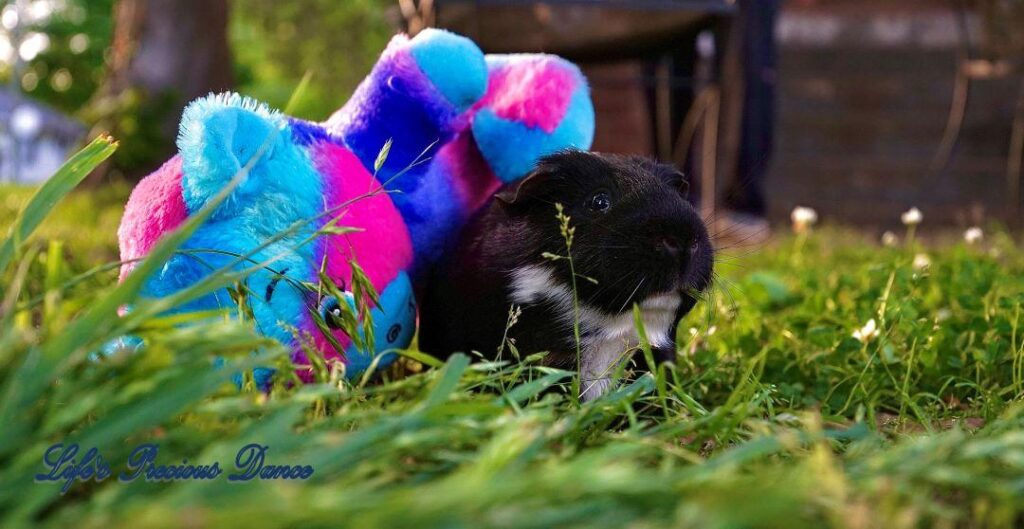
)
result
[(57, 187), (298, 93), (44, 365)]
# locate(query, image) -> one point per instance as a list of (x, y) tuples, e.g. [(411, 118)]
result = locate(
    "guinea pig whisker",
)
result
[(731, 231), (727, 287), (735, 255), (727, 231), (755, 239), (609, 229), (735, 227), (631, 294), (737, 261), (731, 258), (605, 288), (731, 227)]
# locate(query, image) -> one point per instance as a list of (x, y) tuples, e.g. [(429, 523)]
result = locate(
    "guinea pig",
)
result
[(636, 240)]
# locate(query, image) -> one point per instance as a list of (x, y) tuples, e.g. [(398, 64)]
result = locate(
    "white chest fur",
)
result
[(608, 338)]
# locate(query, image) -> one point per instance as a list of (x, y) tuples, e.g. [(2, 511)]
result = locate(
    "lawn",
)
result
[(774, 414)]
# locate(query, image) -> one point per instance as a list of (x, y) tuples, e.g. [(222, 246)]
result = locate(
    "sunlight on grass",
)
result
[(784, 408)]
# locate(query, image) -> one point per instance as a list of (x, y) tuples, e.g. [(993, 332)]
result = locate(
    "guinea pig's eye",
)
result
[(600, 201)]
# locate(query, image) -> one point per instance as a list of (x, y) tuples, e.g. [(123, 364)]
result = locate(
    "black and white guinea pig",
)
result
[(637, 240)]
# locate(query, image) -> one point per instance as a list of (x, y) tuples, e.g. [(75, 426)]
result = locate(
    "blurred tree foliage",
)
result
[(71, 68), (162, 55), (276, 43)]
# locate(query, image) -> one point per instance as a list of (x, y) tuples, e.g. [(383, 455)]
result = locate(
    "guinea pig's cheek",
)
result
[(698, 272)]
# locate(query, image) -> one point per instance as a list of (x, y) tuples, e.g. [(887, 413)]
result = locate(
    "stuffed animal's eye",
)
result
[(330, 311), (273, 284), (600, 201)]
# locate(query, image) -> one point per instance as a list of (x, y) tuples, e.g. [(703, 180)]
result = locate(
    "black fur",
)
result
[(649, 241)]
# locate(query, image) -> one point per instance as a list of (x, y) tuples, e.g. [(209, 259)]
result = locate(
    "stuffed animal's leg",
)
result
[(394, 323), (415, 96), (535, 105)]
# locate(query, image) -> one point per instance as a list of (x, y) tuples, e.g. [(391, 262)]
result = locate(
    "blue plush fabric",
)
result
[(511, 148), (431, 213), (393, 325), (306, 133), (262, 377), (451, 63), (399, 101), (123, 343), (219, 136)]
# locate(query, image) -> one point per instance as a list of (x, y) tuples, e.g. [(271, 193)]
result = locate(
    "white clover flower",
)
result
[(912, 217), (942, 315), (974, 235), (921, 262), (787, 418), (803, 218), (868, 332), (890, 239)]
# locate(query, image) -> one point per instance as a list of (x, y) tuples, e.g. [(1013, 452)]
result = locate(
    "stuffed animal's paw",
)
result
[(394, 323), (453, 64), (535, 105)]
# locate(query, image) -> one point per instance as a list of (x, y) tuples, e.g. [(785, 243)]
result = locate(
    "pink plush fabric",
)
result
[(382, 247), (534, 90), (154, 208), (471, 178)]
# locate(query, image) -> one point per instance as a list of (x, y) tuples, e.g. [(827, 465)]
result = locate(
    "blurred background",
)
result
[(858, 108)]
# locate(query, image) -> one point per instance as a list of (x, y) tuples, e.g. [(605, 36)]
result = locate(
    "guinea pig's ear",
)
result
[(667, 173), (684, 184), (514, 192)]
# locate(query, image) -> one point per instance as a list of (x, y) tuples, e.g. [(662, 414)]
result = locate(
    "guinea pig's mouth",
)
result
[(661, 301), (689, 280)]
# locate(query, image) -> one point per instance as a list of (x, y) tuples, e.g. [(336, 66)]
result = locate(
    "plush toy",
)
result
[(535, 105), (458, 126)]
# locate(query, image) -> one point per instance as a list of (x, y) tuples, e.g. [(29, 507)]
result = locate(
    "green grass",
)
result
[(773, 416)]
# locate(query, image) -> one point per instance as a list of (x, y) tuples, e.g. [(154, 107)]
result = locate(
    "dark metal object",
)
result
[(970, 68), (708, 6), (581, 30), (606, 31)]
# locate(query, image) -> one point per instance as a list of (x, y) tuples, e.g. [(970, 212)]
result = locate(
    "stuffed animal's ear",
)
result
[(219, 136)]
